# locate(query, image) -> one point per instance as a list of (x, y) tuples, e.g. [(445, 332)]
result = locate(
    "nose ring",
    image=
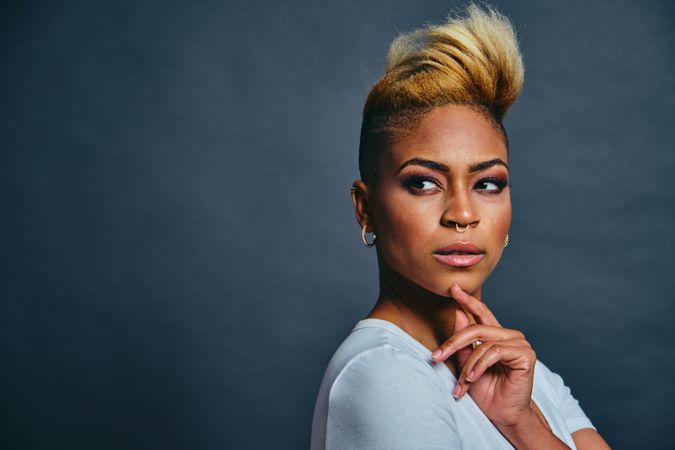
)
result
[(461, 230)]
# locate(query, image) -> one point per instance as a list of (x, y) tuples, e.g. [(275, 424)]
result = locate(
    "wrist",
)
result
[(525, 423), (529, 432)]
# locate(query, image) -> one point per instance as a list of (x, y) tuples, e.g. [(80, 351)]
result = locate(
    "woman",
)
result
[(430, 366)]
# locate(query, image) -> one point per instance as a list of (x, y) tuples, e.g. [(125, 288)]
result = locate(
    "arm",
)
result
[(532, 433), (589, 439), (499, 375)]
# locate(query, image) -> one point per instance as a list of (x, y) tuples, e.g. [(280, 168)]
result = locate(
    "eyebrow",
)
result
[(477, 167)]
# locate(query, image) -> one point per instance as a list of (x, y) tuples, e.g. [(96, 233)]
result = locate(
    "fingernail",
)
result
[(455, 391), (436, 354), (469, 377)]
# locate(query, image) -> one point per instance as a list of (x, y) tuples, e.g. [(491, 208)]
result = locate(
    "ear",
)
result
[(362, 206)]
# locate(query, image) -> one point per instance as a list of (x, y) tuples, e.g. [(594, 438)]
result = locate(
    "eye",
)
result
[(418, 183), (494, 185)]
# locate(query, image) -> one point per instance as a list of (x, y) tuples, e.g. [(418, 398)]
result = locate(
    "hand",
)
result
[(498, 374)]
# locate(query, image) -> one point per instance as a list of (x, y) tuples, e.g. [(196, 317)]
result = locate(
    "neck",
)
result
[(427, 317)]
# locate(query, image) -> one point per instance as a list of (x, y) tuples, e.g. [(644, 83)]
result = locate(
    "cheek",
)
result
[(498, 220), (503, 221), (405, 225)]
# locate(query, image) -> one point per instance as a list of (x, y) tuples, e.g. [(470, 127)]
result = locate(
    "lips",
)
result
[(459, 254)]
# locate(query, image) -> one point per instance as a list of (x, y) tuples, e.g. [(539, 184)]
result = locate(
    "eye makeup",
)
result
[(421, 183), (499, 182), (425, 183)]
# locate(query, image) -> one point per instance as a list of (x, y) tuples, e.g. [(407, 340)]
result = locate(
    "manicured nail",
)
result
[(469, 377), (436, 354), (455, 391)]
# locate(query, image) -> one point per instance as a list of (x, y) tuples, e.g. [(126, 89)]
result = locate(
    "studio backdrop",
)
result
[(178, 248)]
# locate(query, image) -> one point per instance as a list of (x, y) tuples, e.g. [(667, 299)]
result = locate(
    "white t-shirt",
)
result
[(382, 391)]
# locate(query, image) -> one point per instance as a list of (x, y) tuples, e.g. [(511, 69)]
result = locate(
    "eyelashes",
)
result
[(427, 184), (500, 183), (418, 183)]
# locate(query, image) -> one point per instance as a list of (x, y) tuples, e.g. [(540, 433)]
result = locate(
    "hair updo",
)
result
[(470, 60)]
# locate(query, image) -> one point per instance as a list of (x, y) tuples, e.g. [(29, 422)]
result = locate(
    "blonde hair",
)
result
[(469, 60)]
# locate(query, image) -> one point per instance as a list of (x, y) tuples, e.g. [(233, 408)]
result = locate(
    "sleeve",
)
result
[(388, 399), (574, 416)]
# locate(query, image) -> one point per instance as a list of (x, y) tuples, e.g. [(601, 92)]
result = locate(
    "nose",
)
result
[(460, 210)]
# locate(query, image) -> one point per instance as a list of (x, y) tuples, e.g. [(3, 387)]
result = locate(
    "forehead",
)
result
[(455, 135)]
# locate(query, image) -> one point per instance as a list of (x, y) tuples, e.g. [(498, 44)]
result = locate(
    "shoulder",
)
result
[(380, 347), (386, 398), (376, 357), (386, 395), (387, 373)]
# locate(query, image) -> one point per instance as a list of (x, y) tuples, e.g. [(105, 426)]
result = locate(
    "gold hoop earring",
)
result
[(506, 241), (363, 237)]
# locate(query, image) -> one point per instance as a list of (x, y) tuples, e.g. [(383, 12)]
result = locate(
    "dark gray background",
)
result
[(179, 256)]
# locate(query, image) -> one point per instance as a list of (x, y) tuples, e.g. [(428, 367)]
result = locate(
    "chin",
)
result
[(468, 280), (438, 280)]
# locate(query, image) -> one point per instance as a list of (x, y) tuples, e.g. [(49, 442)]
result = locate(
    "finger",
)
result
[(517, 358), (466, 374), (472, 334), (477, 308), (462, 321)]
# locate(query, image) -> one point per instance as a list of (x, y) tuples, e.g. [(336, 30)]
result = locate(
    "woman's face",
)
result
[(450, 169)]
